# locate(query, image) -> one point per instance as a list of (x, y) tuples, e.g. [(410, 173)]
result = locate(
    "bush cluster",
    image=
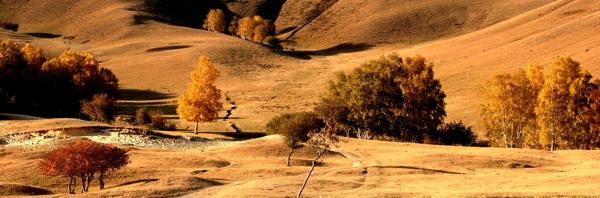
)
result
[(153, 119), (9, 26), (454, 133), (31, 84)]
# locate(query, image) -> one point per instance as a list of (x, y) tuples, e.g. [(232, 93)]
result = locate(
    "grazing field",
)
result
[(153, 50)]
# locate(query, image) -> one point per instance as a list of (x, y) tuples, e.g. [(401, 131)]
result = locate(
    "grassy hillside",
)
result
[(358, 168), (153, 58)]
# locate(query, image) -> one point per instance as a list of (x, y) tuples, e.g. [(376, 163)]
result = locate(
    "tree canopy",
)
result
[(83, 159), (386, 97), (201, 102), (32, 84)]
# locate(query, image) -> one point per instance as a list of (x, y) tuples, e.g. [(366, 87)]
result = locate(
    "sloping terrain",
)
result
[(153, 59), (384, 22)]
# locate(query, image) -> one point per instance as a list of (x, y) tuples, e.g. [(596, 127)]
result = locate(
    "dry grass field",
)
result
[(153, 54)]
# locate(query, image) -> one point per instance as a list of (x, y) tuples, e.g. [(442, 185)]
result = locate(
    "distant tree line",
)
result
[(9, 26), (34, 85), (556, 110), (255, 28)]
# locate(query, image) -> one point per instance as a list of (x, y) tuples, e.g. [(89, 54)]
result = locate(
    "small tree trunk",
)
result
[(196, 129), (71, 182), (289, 156), (101, 179), (83, 177), (74, 184), (89, 179), (311, 170)]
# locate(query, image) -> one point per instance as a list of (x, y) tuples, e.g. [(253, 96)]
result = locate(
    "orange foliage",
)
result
[(83, 159)]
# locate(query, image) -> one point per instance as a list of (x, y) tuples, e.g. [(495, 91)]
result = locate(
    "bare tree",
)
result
[(321, 140)]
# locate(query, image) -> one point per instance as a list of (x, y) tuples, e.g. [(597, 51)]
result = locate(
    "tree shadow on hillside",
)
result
[(160, 49), (137, 94), (417, 168), (130, 108), (135, 182), (340, 49), (240, 136), (43, 35)]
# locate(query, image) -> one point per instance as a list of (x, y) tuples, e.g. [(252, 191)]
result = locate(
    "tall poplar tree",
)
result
[(201, 101)]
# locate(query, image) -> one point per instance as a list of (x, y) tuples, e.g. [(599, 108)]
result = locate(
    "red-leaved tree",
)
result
[(83, 159)]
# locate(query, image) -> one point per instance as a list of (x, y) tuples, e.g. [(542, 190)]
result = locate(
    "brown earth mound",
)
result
[(8, 189)]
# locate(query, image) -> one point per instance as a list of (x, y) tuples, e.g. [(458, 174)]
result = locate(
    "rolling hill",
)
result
[(152, 46)]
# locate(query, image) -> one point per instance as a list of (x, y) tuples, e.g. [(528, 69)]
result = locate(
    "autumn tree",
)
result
[(424, 106), (294, 127), (201, 101), (246, 28), (215, 21), (366, 101), (561, 103), (83, 159), (592, 116), (535, 74), (34, 56), (100, 108), (233, 25), (321, 140), (507, 108)]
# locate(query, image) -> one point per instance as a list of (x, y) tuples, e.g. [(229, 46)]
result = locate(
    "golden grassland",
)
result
[(466, 43)]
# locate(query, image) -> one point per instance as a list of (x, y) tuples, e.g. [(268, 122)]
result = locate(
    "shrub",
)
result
[(100, 108), (142, 116), (158, 121), (153, 119), (294, 127), (272, 41), (454, 133), (83, 159)]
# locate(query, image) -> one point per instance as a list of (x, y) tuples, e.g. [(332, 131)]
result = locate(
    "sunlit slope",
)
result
[(463, 63)]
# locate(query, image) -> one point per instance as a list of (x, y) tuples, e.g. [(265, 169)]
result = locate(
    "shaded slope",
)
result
[(406, 22), (268, 9)]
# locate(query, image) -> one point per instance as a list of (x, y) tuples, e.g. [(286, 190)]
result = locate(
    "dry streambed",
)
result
[(42, 140)]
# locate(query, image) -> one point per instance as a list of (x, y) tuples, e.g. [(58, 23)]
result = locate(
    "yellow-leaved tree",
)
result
[(560, 103), (246, 28), (507, 109), (535, 74), (201, 101), (34, 56), (215, 21)]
